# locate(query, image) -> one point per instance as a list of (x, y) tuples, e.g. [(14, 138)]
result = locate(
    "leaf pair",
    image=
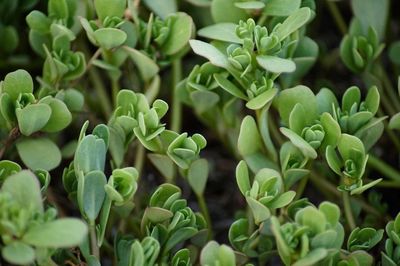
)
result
[(22, 194), (265, 194)]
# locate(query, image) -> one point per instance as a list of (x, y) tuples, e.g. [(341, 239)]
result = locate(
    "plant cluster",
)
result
[(99, 133)]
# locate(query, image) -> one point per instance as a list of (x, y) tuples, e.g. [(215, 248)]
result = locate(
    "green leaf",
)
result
[(361, 189), (347, 143), (372, 13), (300, 143), (25, 189), (312, 218), (205, 100), (157, 215), (109, 38), (38, 21), (294, 22), (33, 118), (179, 236), (372, 100), (61, 233), (394, 52), (283, 249), (281, 7), (227, 85), (262, 100), (276, 64), (146, 66), (312, 257), (297, 119), (249, 140), (288, 98), (282, 200), (60, 116), (250, 5), (215, 254), (18, 253), (17, 82), (197, 175), (326, 101), (8, 168), (72, 98), (226, 11), (351, 96), (90, 154), (10, 37), (242, 177), (163, 164), (39, 153), (93, 194), (179, 35), (331, 212), (333, 160), (332, 130), (225, 32), (58, 9), (109, 8), (394, 122), (208, 51), (260, 212), (162, 8)]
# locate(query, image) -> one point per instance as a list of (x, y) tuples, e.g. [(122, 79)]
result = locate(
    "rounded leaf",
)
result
[(61, 233), (109, 38), (39, 153), (33, 118), (17, 82), (109, 8), (60, 116), (18, 253)]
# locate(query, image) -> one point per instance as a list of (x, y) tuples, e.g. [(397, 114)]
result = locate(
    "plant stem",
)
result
[(337, 16), (388, 184), (389, 87), (12, 136), (139, 158), (262, 19), (93, 240), (115, 89), (384, 168), (301, 187), (176, 118), (101, 92), (204, 210), (94, 57), (327, 186), (389, 132), (347, 210)]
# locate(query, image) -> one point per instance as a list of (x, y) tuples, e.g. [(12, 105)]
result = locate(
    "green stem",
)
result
[(93, 240), (139, 158), (262, 19), (105, 213), (347, 210), (389, 88), (275, 132), (204, 210), (176, 119), (101, 92), (301, 187), (388, 184), (384, 168), (327, 186), (115, 89), (337, 16), (389, 132)]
